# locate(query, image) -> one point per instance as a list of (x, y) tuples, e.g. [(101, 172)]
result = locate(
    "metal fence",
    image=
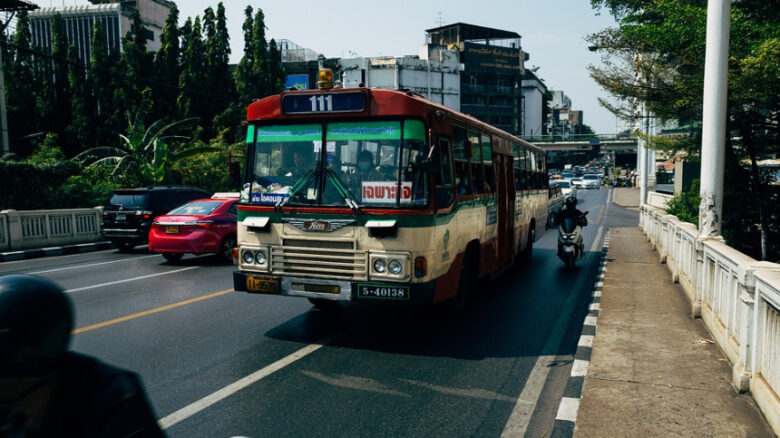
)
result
[(737, 297), (43, 228)]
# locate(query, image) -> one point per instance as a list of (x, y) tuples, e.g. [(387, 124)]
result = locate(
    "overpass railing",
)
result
[(578, 137), (737, 297), (45, 228)]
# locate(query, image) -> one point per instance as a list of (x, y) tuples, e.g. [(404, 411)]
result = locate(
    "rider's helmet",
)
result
[(35, 324), (570, 202)]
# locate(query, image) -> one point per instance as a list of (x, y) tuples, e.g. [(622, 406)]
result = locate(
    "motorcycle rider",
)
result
[(47, 391), (570, 211)]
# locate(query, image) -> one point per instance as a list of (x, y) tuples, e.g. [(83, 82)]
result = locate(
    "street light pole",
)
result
[(714, 117)]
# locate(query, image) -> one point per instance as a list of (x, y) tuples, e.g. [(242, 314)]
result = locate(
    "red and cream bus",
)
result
[(369, 194)]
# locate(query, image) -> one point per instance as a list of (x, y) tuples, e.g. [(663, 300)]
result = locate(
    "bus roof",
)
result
[(380, 103)]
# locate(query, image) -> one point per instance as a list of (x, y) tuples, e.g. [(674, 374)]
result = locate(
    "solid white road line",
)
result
[(227, 391), (585, 341), (596, 242), (579, 368), (521, 415), (567, 410), (110, 283), (92, 264)]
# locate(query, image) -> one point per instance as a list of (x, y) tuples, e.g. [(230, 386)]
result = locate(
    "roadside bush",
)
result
[(686, 205)]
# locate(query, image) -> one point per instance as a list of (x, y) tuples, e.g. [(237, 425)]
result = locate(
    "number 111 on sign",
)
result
[(321, 103)]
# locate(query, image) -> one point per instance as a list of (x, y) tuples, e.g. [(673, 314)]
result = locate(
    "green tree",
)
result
[(244, 78), (78, 132), (275, 68), (656, 55), (144, 155), (102, 67), (191, 101), (135, 66), (21, 97), (54, 102), (167, 65)]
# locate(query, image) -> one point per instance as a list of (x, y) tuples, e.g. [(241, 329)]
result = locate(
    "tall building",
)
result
[(535, 105), (492, 74), (79, 22)]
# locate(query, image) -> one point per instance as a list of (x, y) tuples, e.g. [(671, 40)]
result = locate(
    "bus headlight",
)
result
[(260, 257), (248, 257), (380, 266), (395, 267)]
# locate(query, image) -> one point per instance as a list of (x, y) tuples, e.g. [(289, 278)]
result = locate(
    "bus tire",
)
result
[(323, 304), (458, 304)]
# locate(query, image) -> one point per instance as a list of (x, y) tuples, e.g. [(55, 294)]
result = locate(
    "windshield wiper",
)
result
[(301, 183), (343, 190)]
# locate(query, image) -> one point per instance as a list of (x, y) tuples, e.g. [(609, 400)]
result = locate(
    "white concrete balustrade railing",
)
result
[(737, 297), (45, 228)]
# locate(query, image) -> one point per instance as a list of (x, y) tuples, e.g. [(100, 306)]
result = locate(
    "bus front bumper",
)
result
[(335, 290)]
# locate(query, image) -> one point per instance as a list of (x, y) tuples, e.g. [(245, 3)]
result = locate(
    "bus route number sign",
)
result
[(323, 103)]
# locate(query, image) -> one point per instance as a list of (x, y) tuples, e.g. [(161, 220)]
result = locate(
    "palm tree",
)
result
[(143, 156)]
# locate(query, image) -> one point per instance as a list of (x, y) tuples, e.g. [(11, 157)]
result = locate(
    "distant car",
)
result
[(201, 226), (554, 202), (567, 175), (576, 182), (591, 181), (566, 189), (130, 212)]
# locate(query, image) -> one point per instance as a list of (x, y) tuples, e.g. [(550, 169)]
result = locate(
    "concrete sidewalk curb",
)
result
[(566, 417), (54, 251)]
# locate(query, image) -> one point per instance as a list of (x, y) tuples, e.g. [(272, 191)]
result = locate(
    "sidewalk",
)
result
[(649, 373), (78, 248), (627, 197)]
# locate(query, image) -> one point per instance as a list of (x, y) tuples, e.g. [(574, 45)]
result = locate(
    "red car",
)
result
[(201, 226)]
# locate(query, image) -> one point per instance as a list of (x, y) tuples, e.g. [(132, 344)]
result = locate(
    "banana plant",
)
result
[(145, 155)]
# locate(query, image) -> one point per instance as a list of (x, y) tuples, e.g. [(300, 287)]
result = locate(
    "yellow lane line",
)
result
[(149, 312), (598, 219)]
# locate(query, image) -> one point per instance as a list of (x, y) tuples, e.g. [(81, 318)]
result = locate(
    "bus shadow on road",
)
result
[(512, 316)]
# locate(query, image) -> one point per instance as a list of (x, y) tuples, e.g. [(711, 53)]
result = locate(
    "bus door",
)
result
[(506, 208)]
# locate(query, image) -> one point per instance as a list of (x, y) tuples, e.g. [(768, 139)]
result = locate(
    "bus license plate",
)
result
[(383, 292), (172, 229), (262, 284)]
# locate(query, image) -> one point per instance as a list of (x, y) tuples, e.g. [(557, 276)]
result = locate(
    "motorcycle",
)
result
[(570, 243)]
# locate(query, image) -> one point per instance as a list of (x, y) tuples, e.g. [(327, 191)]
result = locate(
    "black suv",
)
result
[(130, 212)]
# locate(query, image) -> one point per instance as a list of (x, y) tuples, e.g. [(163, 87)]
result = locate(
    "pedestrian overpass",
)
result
[(604, 142)]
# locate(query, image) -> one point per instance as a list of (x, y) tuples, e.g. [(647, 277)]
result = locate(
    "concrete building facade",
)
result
[(535, 105), (79, 22), (492, 72), (434, 74)]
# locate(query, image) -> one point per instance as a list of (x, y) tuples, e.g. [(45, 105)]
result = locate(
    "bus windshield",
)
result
[(339, 163)]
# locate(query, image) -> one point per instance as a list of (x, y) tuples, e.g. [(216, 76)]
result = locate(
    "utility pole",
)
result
[(714, 117)]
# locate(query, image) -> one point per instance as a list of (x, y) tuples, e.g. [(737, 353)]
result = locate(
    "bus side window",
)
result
[(462, 180), (477, 178), (487, 162), (532, 172), (445, 190)]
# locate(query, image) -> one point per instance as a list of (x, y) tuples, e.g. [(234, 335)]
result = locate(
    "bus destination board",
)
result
[(323, 103)]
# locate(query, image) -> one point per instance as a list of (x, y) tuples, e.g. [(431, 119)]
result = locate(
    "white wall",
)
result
[(533, 95)]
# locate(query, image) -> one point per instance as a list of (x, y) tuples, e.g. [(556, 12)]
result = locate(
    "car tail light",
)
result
[(144, 213), (203, 224), (235, 255)]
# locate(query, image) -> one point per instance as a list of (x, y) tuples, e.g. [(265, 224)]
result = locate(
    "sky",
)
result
[(552, 33)]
